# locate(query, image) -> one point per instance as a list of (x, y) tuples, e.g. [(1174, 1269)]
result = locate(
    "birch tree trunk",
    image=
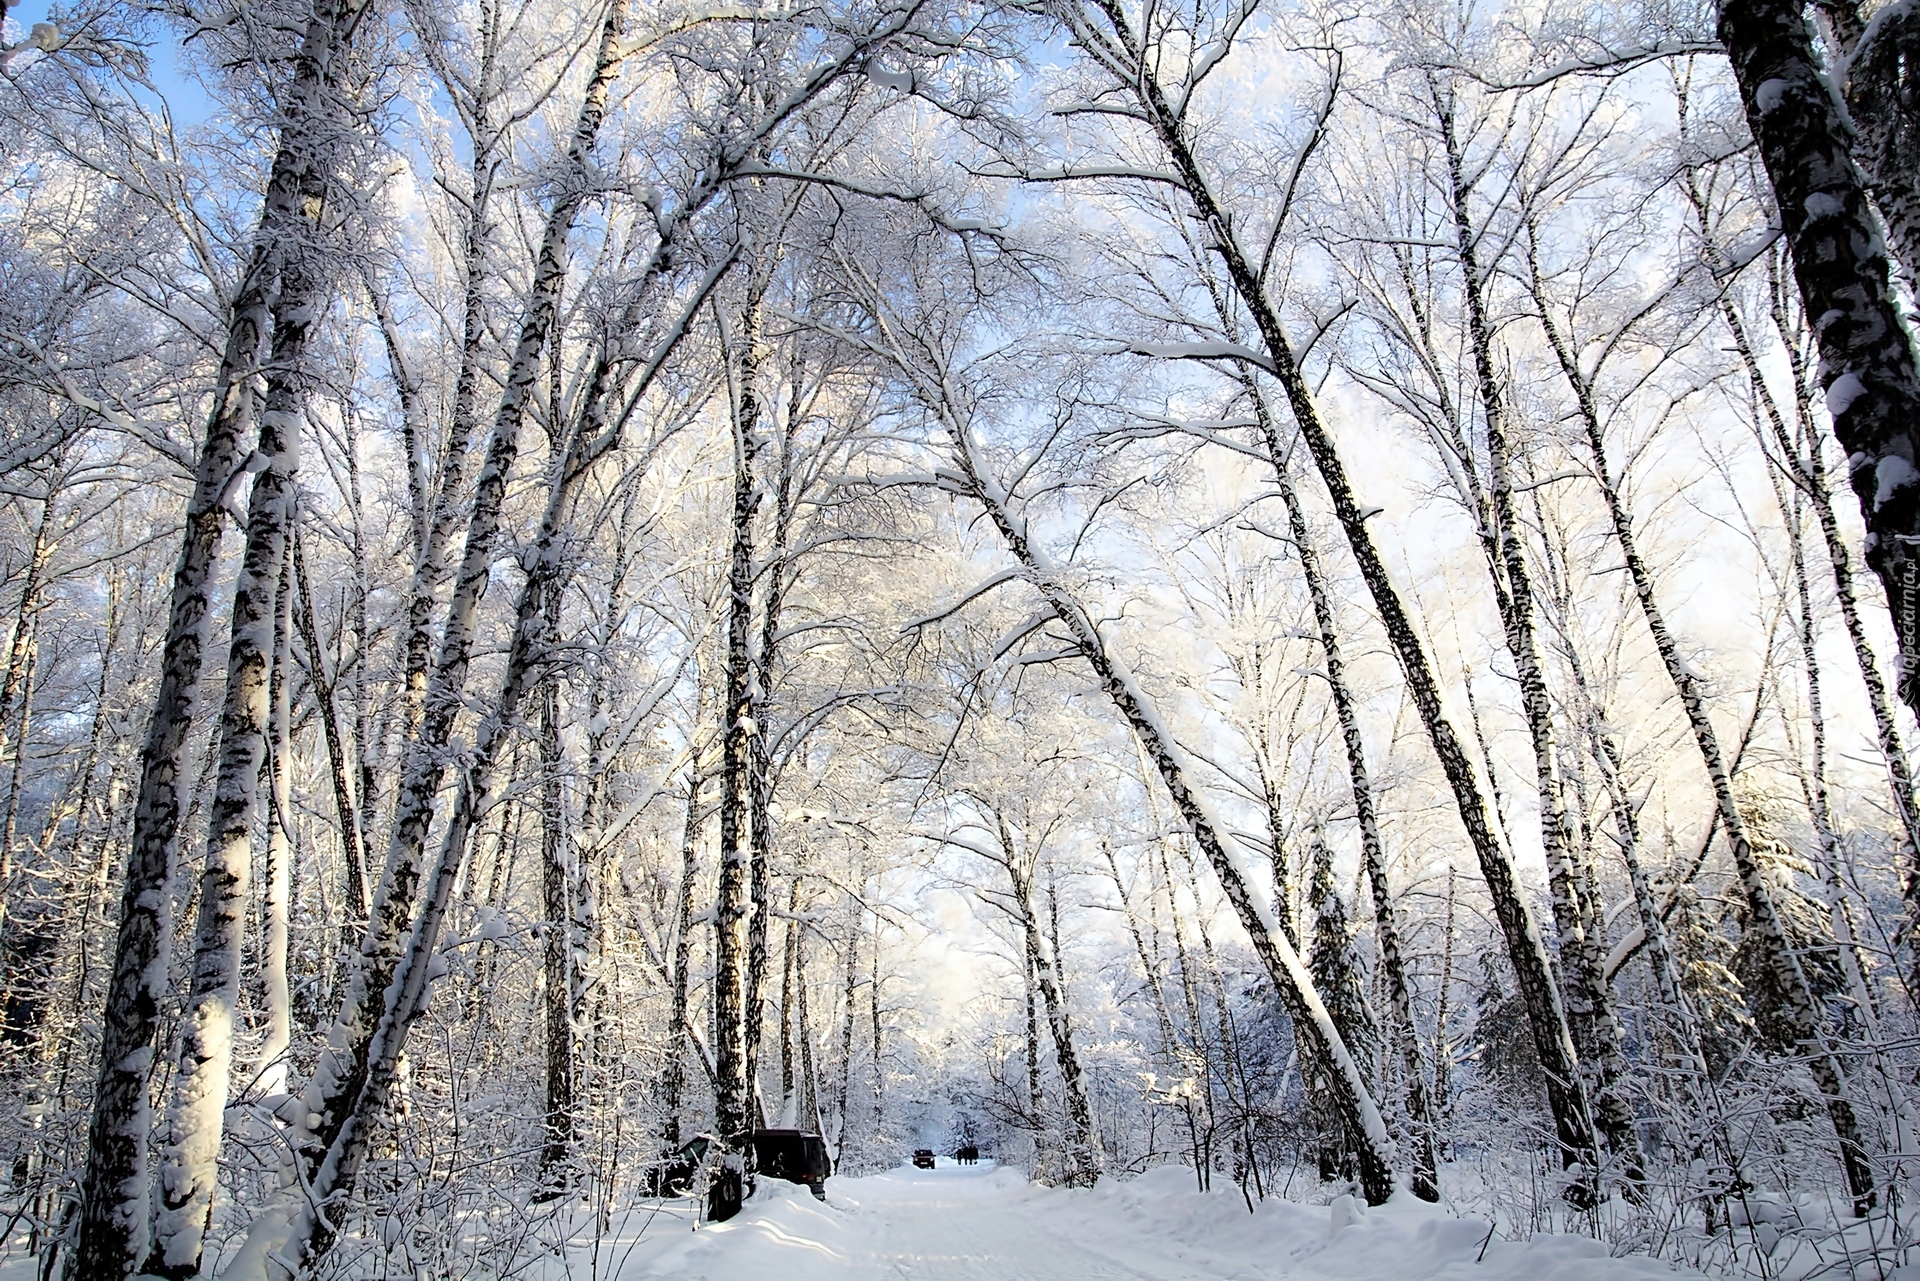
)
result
[(733, 1098), (848, 1009), (1809, 475), (759, 780), (673, 1075), (270, 1078), (1082, 1160), (1111, 42), (1805, 464), (1798, 1004), (1597, 1032), (111, 1225), (190, 1148), (1150, 972), (345, 807), (437, 513), (1875, 66), (1867, 362), (556, 880), (16, 685), (809, 1110)]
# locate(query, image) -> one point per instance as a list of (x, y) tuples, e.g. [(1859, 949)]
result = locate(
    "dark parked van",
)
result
[(673, 1176), (794, 1155)]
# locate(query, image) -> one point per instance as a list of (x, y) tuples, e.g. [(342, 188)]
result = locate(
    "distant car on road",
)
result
[(923, 1158)]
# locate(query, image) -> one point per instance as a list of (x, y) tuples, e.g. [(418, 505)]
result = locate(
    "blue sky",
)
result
[(184, 96)]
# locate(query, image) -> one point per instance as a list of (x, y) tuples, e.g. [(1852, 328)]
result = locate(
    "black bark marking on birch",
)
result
[(1867, 363), (1597, 1033), (1573, 1122), (111, 1223)]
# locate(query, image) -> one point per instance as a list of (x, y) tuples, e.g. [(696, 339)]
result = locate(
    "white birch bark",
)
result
[(270, 1077), (112, 1222), (190, 1147), (1291, 981)]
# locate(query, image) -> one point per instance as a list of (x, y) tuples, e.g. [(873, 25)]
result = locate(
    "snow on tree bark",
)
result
[(111, 1226), (1867, 361), (190, 1146), (1573, 1121), (270, 1078)]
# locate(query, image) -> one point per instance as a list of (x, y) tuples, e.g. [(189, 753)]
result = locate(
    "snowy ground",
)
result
[(978, 1223)]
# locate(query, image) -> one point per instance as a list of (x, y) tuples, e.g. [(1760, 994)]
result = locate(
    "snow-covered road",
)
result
[(981, 1224)]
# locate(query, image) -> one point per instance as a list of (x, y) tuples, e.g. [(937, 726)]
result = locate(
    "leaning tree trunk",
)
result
[(190, 1149), (1426, 1179), (1867, 362), (112, 1219), (1597, 1031), (1290, 978), (1118, 48)]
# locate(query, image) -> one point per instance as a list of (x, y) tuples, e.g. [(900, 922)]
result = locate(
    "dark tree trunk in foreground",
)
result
[(1873, 394), (733, 1099), (111, 1232)]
